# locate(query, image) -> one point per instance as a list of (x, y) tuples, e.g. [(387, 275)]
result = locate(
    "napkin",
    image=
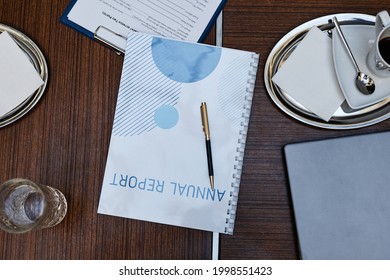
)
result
[(309, 77), (18, 77)]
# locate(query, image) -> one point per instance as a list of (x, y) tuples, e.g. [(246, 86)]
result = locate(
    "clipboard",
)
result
[(117, 42), (103, 35)]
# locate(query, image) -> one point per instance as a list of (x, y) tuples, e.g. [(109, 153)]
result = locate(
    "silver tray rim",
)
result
[(38, 60), (348, 119)]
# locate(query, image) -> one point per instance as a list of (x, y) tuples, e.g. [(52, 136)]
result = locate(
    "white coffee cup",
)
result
[(378, 58)]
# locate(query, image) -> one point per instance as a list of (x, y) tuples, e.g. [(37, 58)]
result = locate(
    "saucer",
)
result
[(358, 38), (345, 117)]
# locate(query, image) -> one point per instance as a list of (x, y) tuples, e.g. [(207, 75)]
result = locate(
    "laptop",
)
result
[(340, 192)]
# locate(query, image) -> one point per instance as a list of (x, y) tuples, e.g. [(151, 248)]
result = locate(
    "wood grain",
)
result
[(63, 141)]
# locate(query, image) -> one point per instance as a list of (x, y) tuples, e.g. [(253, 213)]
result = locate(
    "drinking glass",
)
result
[(26, 205)]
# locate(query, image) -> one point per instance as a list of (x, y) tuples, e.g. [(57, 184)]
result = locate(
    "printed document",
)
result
[(177, 19)]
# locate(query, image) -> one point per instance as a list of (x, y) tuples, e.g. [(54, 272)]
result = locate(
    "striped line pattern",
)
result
[(143, 89), (232, 88)]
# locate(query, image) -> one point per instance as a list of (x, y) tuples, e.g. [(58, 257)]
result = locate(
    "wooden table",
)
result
[(63, 141)]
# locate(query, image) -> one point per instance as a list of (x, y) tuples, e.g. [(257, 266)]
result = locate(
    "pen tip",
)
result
[(212, 182)]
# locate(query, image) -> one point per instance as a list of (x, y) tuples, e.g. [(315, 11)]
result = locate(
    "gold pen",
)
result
[(206, 130)]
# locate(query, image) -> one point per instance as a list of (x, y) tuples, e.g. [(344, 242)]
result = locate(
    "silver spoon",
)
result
[(363, 82)]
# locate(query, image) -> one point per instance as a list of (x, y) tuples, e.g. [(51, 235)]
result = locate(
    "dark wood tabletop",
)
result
[(63, 141)]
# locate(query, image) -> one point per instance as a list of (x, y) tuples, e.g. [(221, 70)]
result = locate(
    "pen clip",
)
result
[(205, 121)]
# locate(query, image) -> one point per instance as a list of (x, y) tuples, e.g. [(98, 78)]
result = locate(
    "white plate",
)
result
[(358, 38)]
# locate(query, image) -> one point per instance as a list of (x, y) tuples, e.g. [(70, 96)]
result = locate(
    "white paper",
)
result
[(18, 77), (309, 76), (177, 19)]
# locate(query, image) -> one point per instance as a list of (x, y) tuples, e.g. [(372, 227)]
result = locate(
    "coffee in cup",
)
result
[(378, 58), (384, 49)]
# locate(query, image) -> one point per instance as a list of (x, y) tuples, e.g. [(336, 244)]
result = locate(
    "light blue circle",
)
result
[(166, 116), (184, 62)]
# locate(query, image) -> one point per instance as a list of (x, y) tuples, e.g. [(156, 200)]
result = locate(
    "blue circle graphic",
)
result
[(184, 62), (166, 116)]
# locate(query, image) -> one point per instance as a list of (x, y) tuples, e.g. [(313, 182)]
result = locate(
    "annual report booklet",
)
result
[(111, 21), (157, 165)]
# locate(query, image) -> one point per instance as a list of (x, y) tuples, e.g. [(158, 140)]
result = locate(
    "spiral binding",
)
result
[(239, 158)]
